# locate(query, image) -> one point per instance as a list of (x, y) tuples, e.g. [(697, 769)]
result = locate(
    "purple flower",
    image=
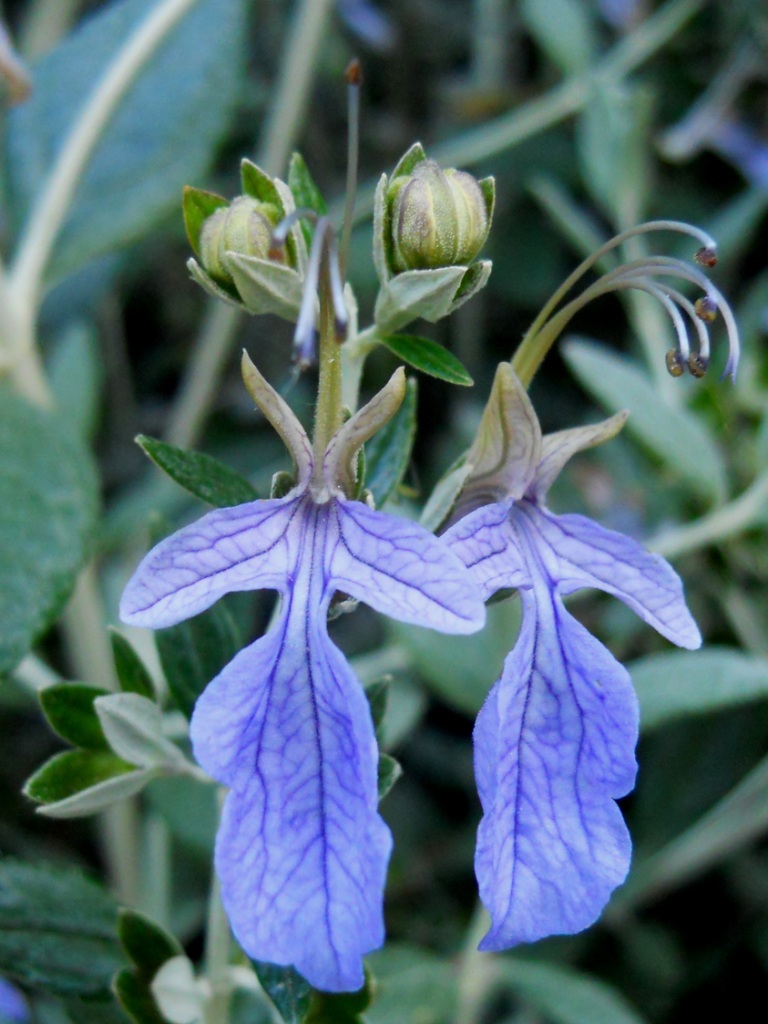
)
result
[(555, 739), (302, 851), (13, 1006)]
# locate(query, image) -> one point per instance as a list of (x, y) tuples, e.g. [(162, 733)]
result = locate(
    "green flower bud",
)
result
[(243, 227), (436, 218)]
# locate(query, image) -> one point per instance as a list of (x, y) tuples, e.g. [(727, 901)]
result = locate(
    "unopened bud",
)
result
[(244, 227), (706, 309), (437, 218), (675, 364)]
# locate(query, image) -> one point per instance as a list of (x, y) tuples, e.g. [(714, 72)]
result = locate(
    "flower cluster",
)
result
[(302, 851)]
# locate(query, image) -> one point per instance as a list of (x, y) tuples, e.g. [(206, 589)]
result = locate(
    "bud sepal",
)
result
[(236, 259), (428, 225)]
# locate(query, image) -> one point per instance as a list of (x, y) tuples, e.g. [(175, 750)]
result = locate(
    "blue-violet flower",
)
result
[(301, 851), (554, 741)]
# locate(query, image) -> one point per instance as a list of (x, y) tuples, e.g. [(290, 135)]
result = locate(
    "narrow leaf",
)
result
[(145, 941), (388, 452), (69, 708), (259, 185), (131, 670), (76, 783), (57, 930), (389, 772), (197, 206), (133, 726), (305, 192), (428, 356), (201, 475)]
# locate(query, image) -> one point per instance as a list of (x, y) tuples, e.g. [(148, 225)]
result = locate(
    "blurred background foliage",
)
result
[(592, 115)]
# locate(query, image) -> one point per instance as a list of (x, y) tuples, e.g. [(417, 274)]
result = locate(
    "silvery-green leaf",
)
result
[(200, 474), (177, 992), (81, 782), (676, 683), (565, 30), (417, 293), (69, 708), (266, 286), (133, 726)]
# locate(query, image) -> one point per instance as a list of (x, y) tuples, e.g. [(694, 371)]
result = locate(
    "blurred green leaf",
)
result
[(58, 930), (388, 452), (565, 996), (377, 694), (195, 651), (286, 988), (389, 772), (149, 946), (189, 808), (677, 437), (48, 502), (75, 372), (564, 29), (461, 670), (132, 674), (428, 356), (341, 1008), (201, 475), (612, 136), (133, 726), (197, 206), (70, 711), (412, 987), (678, 683), (162, 135)]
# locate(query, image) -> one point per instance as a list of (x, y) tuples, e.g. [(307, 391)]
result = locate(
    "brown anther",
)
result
[(705, 256), (340, 330), (675, 364), (697, 364), (354, 72), (706, 309)]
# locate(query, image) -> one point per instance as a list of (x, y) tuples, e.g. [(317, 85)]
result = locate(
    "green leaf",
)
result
[(305, 192), (197, 206), (410, 159), (428, 356), (674, 435), (75, 372), (259, 185), (57, 930), (163, 133), (132, 674), (388, 452), (389, 772), (48, 502), (193, 652), (201, 475), (412, 987), (149, 946), (565, 30), (377, 693), (564, 996), (71, 713), (678, 683), (74, 772), (286, 988)]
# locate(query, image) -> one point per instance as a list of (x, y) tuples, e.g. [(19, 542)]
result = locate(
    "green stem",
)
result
[(217, 949), (329, 408), (477, 971)]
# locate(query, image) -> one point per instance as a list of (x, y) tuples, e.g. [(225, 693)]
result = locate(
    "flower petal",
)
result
[(581, 553), (554, 746), (301, 851), (486, 543), (400, 569), (240, 548)]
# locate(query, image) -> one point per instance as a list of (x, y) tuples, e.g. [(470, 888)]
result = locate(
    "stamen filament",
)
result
[(354, 80)]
